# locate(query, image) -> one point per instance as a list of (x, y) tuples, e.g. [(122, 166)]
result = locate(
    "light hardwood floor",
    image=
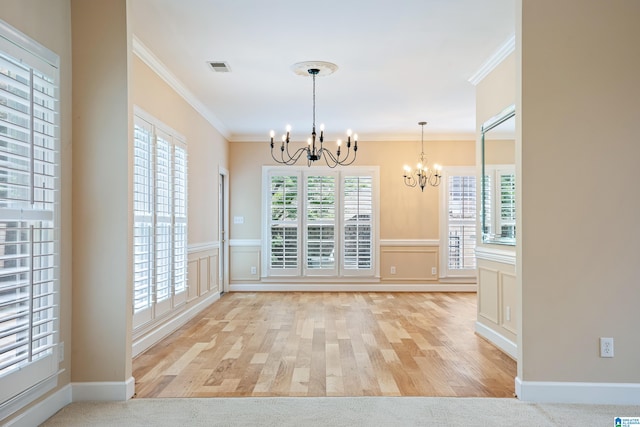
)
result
[(328, 344)]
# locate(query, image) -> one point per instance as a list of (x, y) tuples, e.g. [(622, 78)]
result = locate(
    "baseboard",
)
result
[(499, 340), (103, 390), (145, 341), (578, 392), (41, 411), (353, 287)]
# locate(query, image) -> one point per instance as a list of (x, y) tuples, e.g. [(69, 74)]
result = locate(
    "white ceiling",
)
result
[(400, 62)]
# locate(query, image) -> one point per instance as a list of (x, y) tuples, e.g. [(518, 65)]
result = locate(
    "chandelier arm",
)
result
[(410, 181), (291, 159), (328, 155), (346, 161), (434, 179)]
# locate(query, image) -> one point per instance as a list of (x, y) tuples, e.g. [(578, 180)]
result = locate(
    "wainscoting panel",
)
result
[(192, 280), (508, 301), (488, 295), (203, 271), (409, 263), (214, 277), (203, 265), (497, 298), (244, 263)]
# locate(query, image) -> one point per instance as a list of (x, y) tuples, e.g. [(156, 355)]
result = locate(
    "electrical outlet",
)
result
[(434, 271), (606, 347), (393, 269), (254, 270)]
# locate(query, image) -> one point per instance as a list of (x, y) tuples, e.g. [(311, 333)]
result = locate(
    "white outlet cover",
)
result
[(606, 347)]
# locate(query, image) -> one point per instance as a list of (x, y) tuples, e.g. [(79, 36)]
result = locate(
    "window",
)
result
[(160, 219), (358, 215), (320, 222), (459, 221), (499, 197), (29, 213)]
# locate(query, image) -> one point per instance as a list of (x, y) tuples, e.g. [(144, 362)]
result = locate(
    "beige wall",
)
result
[(102, 214), (578, 249), (398, 204), (49, 23), (496, 91), (207, 148), (405, 213), (500, 151)]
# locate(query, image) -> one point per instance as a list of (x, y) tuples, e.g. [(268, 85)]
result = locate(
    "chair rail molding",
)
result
[(410, 242), (201, 247), (245, 242), (498, 255)]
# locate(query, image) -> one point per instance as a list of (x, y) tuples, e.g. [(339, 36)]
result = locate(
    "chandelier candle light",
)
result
[(315, 150), (422, 175)]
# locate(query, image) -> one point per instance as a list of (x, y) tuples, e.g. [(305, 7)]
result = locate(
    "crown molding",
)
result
[(469, 136), (161, 70), (494, 60)]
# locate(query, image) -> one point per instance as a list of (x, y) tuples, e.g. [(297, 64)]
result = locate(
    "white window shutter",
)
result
[(284, 225), (29, 214), (357, 224), (320, 224), (461, 223), (507, 204), (180, 220), (160, 219)]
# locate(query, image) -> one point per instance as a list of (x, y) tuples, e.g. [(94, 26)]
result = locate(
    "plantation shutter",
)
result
[(143, 209), (357, 224), (461, 205), (29, 209), (507, 204), (283, 227), (320, 224), (180, 222), (163, 232), (487, 204), (160, 219)]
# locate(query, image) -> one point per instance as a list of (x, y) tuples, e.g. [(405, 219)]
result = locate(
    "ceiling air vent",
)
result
[(219, 66)]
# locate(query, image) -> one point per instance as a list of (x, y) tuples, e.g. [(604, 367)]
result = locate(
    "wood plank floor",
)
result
[(328, 344)]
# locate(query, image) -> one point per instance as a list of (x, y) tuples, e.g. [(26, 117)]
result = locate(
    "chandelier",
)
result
[(422, 175), (314, 149)]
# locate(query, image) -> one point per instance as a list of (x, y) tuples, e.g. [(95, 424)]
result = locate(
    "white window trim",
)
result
[(300, 272), (444, 231)]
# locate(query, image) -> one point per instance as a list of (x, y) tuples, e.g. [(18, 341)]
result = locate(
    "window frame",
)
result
[(445, 270), (302, 272), (32, 379), (492, 199), (176, 258)]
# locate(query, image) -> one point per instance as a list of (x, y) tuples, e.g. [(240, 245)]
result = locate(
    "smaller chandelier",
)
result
[(315, 150), (422, 175)]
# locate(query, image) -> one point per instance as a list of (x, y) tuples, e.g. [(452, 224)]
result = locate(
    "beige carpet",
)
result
[(336, 411)]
